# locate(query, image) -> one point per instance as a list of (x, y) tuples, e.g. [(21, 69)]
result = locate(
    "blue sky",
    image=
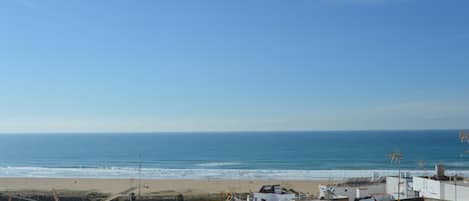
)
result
[(96, 66)]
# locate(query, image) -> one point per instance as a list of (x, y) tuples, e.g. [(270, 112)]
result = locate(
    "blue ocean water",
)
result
[(289, 155)]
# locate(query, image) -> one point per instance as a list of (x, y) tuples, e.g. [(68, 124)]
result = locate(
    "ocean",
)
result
[(230, 155)]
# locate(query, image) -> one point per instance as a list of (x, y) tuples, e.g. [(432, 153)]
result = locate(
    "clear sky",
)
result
[(151, 65)]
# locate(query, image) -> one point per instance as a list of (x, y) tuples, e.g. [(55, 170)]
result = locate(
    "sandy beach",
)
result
[(114, 186)]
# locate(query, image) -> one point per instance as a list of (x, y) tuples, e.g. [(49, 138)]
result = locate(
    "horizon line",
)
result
[(230, 131)]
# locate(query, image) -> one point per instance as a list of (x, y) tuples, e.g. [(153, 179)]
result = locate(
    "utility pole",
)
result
[(455, 186), (397, 157)]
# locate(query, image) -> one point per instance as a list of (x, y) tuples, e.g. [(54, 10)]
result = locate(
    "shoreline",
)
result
[(205, 174)]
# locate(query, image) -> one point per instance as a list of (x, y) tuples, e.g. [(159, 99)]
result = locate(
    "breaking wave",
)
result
[(218, 164), (162, 173)]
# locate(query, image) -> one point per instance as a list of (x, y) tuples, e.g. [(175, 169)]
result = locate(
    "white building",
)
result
[(273, 193), (437, 187), (273, 197), (350, 191), (406, 187), (441, 190)]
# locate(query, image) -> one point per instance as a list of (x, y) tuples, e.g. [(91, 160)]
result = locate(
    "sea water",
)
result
[(230, 155)]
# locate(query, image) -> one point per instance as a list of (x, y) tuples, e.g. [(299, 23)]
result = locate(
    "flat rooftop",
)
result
[(462, 182)]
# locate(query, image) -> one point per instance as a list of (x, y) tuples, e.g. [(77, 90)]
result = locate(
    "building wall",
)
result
[(351, 191), (440, 190), (428, 188), (391, 187), (462, 192), (273, 197)]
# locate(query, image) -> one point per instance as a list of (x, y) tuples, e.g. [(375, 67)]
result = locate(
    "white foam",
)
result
[(160, 173), (218, 164)]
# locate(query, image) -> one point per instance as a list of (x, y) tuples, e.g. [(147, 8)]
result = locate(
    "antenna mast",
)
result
[(422, 166), (396, 157), (139, 176)]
